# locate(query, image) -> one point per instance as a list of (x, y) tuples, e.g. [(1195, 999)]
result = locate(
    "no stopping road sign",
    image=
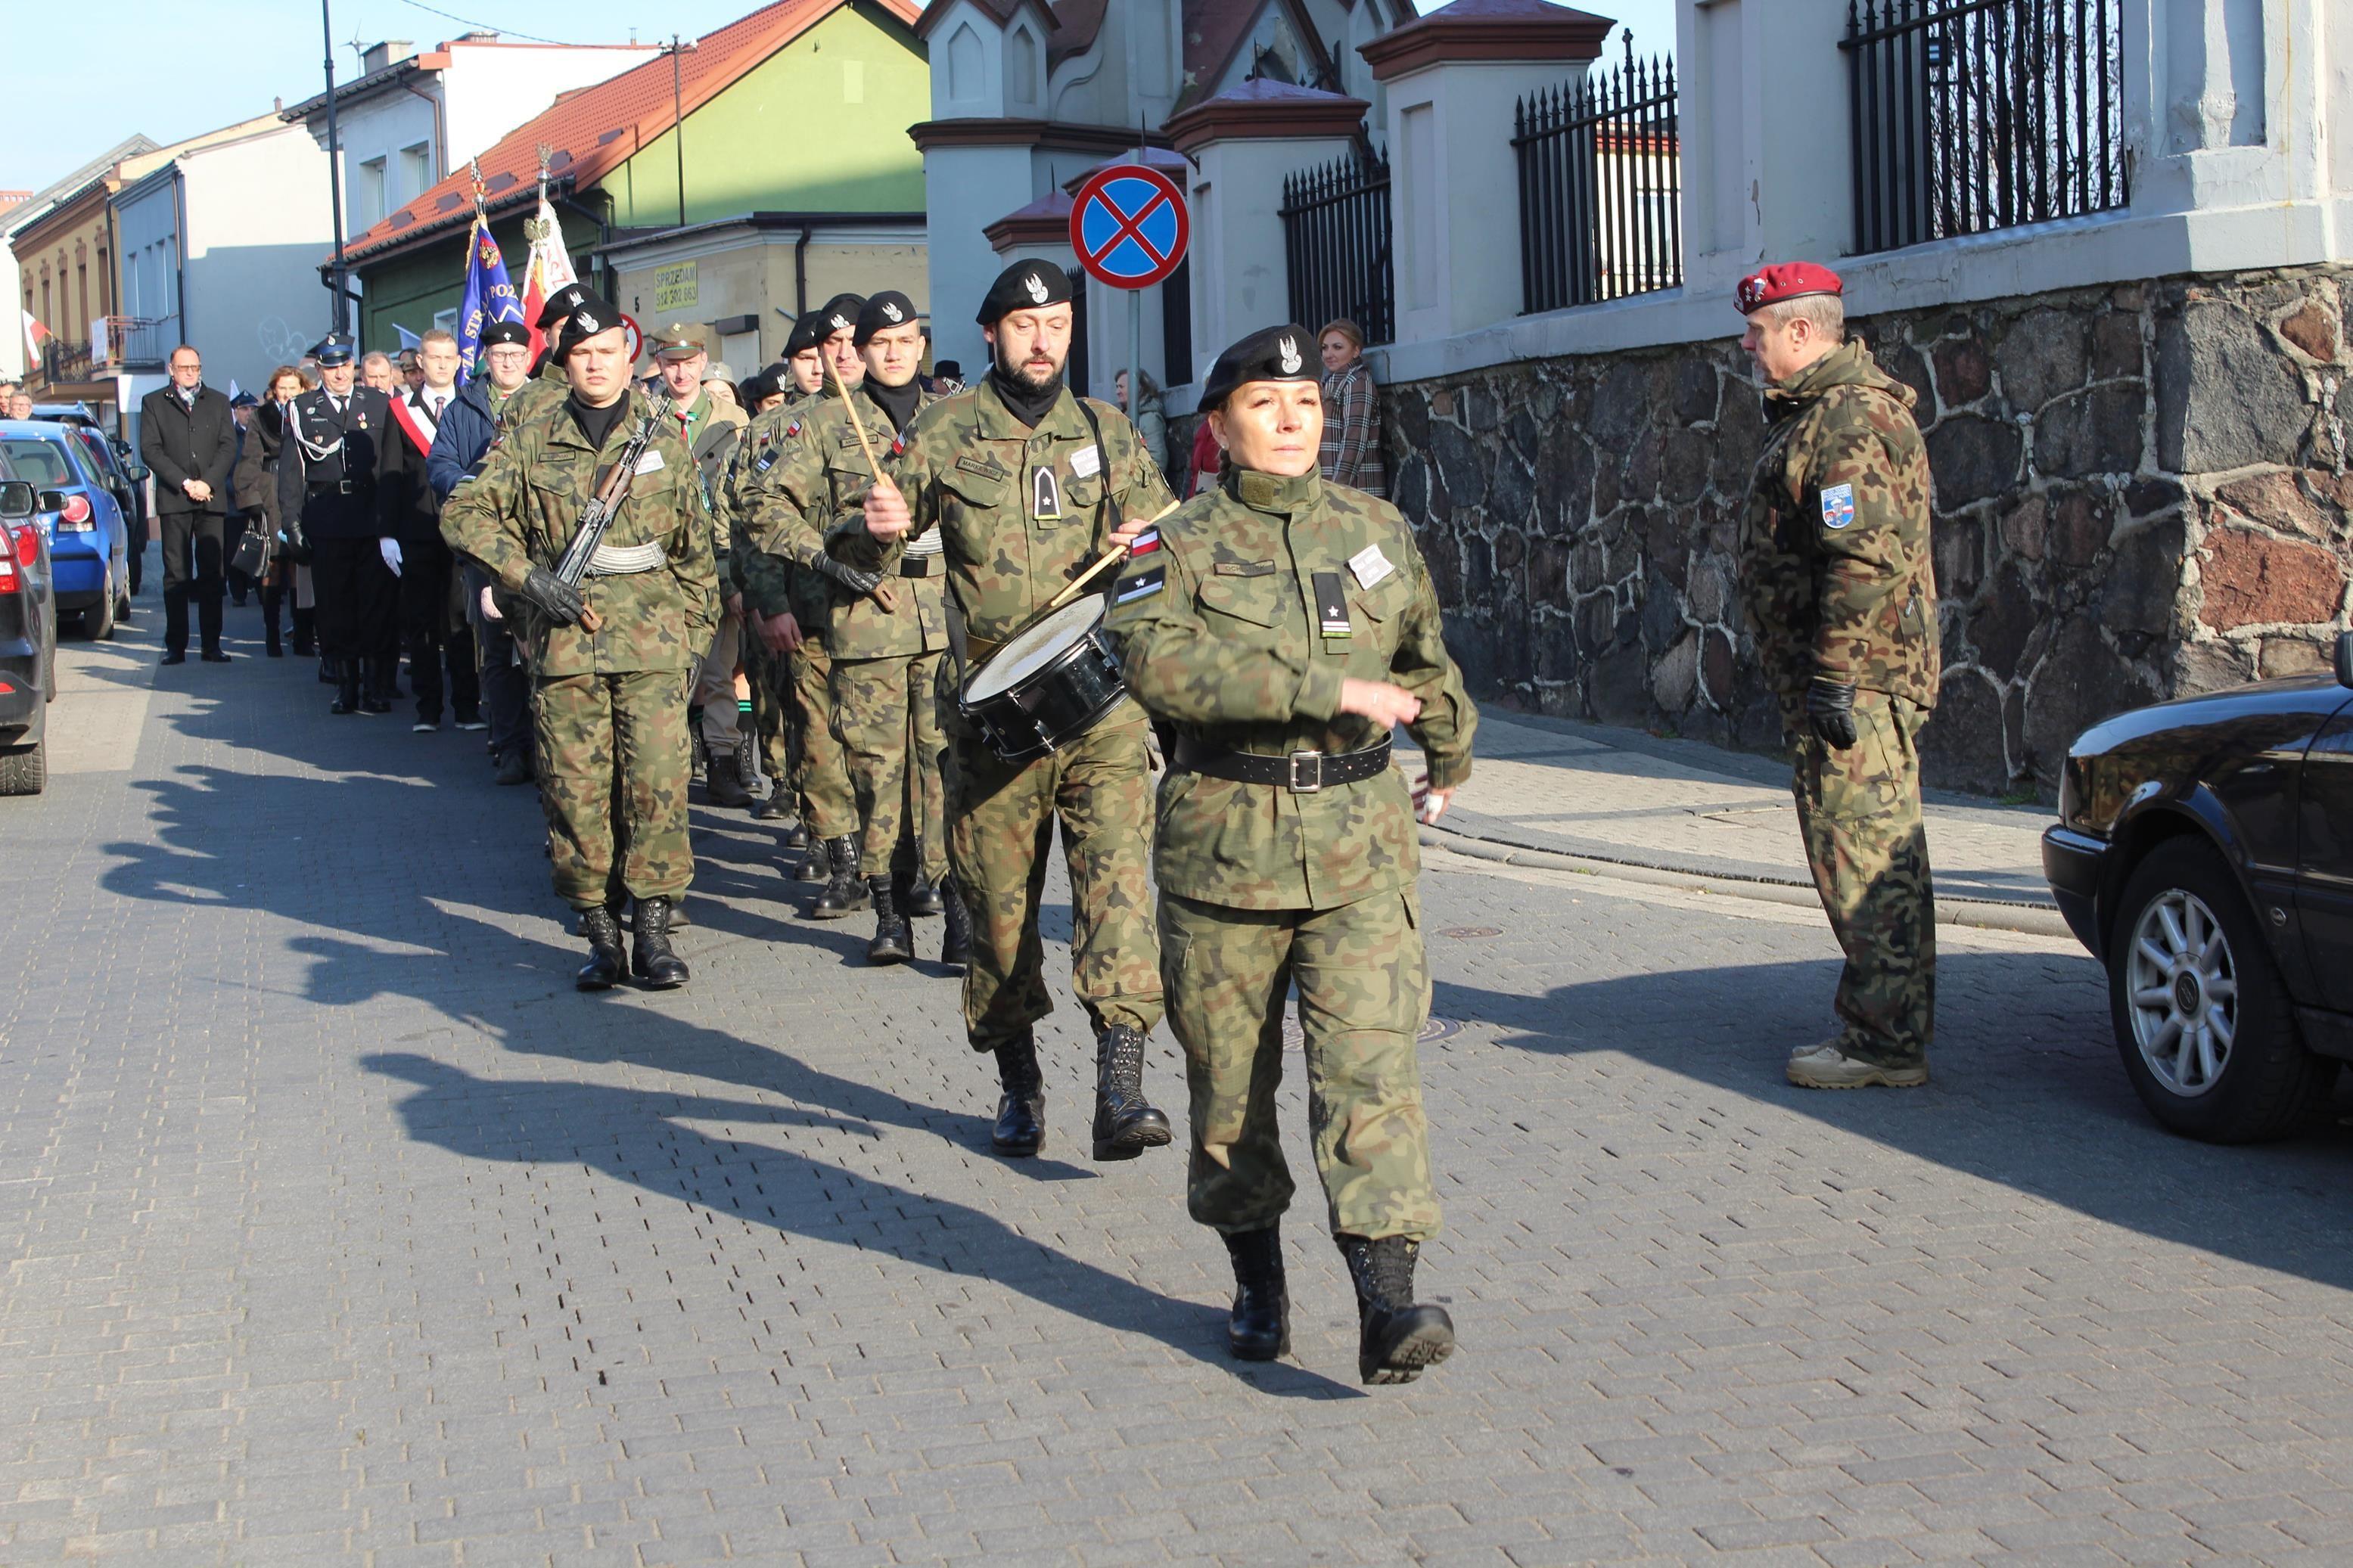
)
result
[(1129, 226)]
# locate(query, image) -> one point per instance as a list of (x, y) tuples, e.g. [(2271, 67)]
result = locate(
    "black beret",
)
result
[(1270, 353), (589, 317), (808, 333), (886, 310), (758, 387), (560, 304), (838, 314), (507, 331), (1024, 286)]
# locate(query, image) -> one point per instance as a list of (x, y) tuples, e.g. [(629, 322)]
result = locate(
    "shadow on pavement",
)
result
[(2018, 1099)]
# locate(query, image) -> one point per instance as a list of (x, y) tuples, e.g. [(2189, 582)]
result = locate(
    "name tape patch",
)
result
[(1369, 565), (1086, 462)]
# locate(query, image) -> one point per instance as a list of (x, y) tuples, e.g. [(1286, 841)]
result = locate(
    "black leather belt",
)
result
[(331, 487), (918, 565), (1301, 772)]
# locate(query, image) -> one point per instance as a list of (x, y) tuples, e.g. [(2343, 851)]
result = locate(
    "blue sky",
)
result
[(174, 68)]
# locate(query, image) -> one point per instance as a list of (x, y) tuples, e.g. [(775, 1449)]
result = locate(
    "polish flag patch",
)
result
[(1146, 543)]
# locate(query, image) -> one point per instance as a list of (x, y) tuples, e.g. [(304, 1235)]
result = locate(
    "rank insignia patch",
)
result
[(1838, 506), (1143, 585)]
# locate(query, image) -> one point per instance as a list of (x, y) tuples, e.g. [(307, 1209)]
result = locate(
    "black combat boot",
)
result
[(723, 784), (347, 687), (1021, 1111), (891, 943), (701, 767), (776, 808), (607, 964), (1259, 1328), (1395, 1336), (924, 898), (844, 892), (656, 965), (816, 865), (1126, 1124), (956, 942)]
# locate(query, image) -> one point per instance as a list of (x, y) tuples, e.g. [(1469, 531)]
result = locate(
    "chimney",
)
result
[(378, 56)]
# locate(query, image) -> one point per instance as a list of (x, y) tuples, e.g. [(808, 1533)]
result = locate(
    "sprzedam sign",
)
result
[(676, 288)]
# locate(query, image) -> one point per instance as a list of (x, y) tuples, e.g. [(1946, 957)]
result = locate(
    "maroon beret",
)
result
[(1785, 280)]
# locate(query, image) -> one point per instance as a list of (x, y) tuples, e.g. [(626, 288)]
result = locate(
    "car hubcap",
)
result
[(2185, 993)]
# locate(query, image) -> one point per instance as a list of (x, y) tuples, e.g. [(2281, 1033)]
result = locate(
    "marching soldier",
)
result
[(1283, 627), (1841, 591), (328, 472), (886, 656), (611, 658), (712, 430), (1026, 485)]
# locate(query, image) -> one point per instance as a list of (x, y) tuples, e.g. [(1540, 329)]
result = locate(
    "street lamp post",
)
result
[(677, 116), (337, 280)]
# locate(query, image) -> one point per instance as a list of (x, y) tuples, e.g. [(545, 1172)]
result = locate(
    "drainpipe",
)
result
[(800, 271), (440, 132)]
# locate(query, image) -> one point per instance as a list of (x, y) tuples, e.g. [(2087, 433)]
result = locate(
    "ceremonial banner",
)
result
[(490, 296), (550, 269)]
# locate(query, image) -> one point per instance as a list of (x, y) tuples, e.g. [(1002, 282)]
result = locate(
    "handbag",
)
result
[(251, 555)]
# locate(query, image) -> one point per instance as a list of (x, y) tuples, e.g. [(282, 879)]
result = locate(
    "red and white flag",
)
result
[(550, 269), (36, 335)]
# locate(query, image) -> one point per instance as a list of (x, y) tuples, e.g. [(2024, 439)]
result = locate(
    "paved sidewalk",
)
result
[(1555, 791)]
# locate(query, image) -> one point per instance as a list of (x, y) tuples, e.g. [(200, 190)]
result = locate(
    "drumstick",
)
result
[(1109, 558), (882, 595)]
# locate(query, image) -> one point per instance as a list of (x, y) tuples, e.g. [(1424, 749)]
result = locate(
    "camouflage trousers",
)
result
[(714, 686), (1363, 993), (1001, 819), (820, 771), (1859, 812), (614, 762), (889, 727)]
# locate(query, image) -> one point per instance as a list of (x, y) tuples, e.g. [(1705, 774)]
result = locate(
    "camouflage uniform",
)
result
[(715, 431), (1839, 583), (968, 466), (1262, 888), (818, 773), (611, 704), (885, 663), (539, 393)]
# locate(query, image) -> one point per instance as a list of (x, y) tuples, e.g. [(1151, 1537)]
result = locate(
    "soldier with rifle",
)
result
[(590, 513)]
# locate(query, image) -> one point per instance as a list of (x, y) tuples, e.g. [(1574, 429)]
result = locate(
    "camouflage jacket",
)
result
[(546, 389), (969, 467), (1836, 573), (760, 434), (718, 432), (1220, 633), (803, 495), (521, 511)]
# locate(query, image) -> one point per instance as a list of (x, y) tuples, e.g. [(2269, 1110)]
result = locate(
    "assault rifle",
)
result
[(596, 517)]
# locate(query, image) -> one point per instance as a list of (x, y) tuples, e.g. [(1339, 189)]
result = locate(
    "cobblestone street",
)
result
[(341, 1229)]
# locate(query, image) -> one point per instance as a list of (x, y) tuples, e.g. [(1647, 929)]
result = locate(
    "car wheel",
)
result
[(98, 621), (2203, 1023), (25, 770)]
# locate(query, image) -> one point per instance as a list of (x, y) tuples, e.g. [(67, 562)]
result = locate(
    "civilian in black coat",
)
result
[(188, 437), (432, 609)]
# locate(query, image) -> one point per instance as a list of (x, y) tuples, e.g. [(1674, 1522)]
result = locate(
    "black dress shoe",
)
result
[(514, 767), (1259, 1326), (374, 705), (1396, 1335), (1126, 1123), (215, 656), (174, 659), (607, 965), (1020, 1127)]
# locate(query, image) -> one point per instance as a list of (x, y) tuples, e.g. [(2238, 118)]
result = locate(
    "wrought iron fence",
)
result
[(1601, 187), (1970, 115), (1335, 243)]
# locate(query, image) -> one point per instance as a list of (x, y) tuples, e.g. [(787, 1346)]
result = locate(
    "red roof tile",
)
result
[(595, 128)]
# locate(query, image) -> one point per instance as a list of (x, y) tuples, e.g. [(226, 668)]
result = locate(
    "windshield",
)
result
[(36, 460)]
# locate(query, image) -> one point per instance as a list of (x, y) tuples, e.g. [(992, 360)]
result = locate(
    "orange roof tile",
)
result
[(595, 128)]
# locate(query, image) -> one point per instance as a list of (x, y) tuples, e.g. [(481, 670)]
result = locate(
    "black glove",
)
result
[(561, 602), (1831, 706)]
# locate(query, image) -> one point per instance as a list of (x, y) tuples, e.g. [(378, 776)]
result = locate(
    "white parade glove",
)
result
[(390, 548), (489, 608)]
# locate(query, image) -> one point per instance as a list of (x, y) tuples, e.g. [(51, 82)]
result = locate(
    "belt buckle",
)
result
[(1312, 781)]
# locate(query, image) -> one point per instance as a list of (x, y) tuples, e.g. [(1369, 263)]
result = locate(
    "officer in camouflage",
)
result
[(1283, 627), (1026, 485), (885, 656), (1841, 592), (789, 605), (610, 659), (807, 780)]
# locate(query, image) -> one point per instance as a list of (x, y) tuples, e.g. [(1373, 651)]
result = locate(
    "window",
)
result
[(415, 171), (369, 204)]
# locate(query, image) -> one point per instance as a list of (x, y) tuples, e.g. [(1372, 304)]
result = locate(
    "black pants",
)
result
[(505, 684), (358, 607), (193, 556), (435, 632)]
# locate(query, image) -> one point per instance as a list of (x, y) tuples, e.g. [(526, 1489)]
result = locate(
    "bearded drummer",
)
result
[(1028, 485)]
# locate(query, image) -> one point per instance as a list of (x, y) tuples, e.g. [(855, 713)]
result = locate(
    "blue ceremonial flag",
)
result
[(490, 296)]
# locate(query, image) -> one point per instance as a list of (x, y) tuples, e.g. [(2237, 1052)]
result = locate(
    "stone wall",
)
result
[(2141, 491)]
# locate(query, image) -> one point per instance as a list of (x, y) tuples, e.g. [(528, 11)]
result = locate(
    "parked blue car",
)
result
[(88, 534)]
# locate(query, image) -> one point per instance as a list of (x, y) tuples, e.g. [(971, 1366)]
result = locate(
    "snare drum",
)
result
[(1049, 685)]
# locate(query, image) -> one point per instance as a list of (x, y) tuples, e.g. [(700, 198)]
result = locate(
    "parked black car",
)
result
[(29, 641), (2204, 853)]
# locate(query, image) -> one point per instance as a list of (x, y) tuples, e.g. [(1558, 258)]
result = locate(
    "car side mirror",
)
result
[(50, 501), (2344, 658), (136, 472), (16, 497)]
